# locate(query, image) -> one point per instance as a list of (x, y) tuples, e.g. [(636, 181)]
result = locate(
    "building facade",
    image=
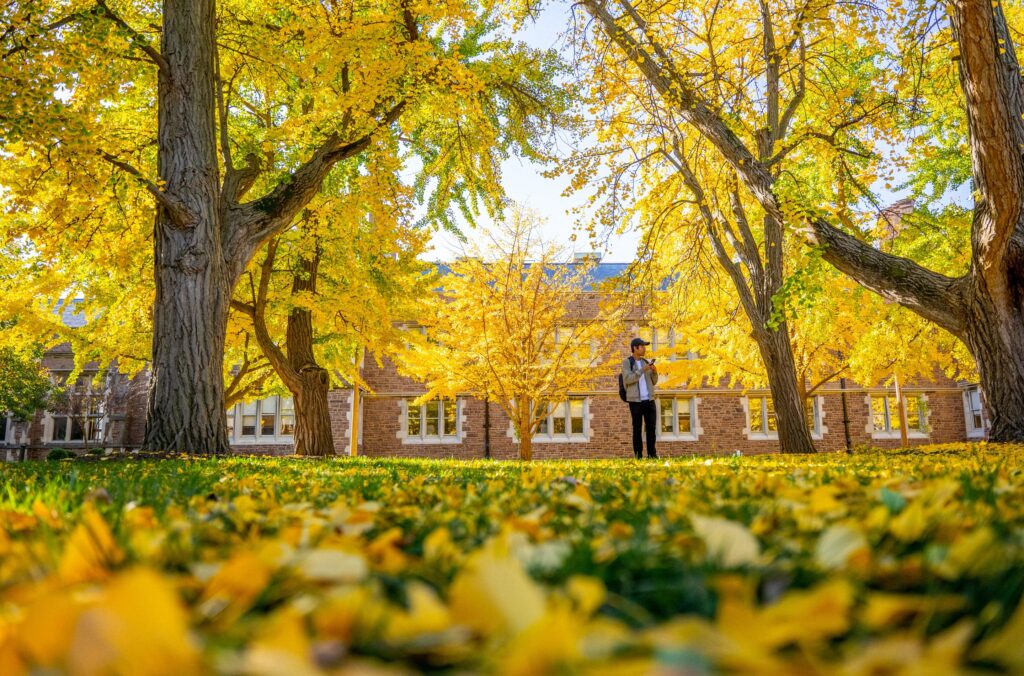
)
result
[(590, 424)]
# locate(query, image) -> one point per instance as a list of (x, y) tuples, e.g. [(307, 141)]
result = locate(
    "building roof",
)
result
[(599, 273)]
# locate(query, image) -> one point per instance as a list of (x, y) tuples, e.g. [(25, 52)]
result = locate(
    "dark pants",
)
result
[(644, 413)]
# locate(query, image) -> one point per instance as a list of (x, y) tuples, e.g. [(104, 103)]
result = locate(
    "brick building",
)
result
[(590, 424)]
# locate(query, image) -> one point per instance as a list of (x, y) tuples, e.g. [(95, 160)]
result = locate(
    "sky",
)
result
[(525, 184)]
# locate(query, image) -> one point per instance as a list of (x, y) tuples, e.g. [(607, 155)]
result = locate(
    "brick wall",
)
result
[(720, 415)]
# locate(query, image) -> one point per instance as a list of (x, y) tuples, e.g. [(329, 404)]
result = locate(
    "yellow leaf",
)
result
[(494, 594), (1006, 646), (910, 524), (138, 626), (837, 544), (884, 609), (729, 543), (91, 550), (333, 565)]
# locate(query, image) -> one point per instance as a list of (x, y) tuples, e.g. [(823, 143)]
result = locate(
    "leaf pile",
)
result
[(877, 563)]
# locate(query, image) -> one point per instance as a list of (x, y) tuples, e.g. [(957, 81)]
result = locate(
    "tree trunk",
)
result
[(525, 431), (193, 280), (996, 339), (787, 395), (313, 434)]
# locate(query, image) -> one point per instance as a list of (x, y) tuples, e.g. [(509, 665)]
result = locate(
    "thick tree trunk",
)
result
[(313, 435), (193, 281), (995, 336), (787, 395)]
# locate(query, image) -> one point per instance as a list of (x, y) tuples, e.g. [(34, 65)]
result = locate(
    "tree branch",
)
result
[(179, 213), (933, 296), (267, 345), (254, 221), (137, 39)]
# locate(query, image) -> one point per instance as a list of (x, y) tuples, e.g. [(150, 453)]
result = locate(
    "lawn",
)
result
[(875, 563)]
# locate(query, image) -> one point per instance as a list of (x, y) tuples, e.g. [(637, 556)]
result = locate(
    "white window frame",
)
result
[(675, 435), (235, 415), (974, 432), (421, 437), (817, 429), (550, 437), (50, 427), (762, 412), (890, 432)]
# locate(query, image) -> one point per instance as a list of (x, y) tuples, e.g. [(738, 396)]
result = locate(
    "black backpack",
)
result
[(622, 386)]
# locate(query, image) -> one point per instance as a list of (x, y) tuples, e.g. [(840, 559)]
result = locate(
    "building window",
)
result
[(885, 415), (6, 428), (761, 417), (973, 412), (762, 422), (677, 418), (82, 425), (565, 421), (268, 421), (667, 344), (581, 353), (434, 421)]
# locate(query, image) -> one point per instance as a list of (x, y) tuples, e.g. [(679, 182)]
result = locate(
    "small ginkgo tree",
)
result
[(518, 324)]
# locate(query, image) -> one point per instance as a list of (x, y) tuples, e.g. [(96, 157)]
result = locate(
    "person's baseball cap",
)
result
[(638, 341)]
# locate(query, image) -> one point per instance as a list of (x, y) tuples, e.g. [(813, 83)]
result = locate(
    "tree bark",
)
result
[(787, 394), (193, 283), (995, 336), (311, 382), (525, 430)]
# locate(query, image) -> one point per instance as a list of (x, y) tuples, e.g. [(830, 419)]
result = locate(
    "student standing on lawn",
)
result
[(639, 377)]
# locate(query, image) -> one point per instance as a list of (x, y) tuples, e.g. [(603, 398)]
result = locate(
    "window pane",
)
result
[(287, 405), (249, 425), (92, 429), (576, 415), (231, 424), (269, 405), (267, 424), (4, 425), (542, 426), (287, 423), (77, 433), (770, 413), (913, 412), (451, 417), (60, 428), (809, 411), (433, 420), (249, 408), (756, 419), (413, 419), (894, 412), (558, 419), (665, 408), (684, 405), (974, 403), (878, 414)]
